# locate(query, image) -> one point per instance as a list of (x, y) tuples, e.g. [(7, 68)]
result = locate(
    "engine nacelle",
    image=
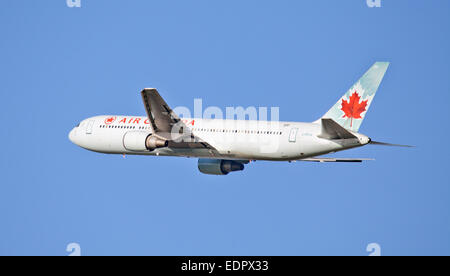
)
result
[(142, 141), (218, 166)]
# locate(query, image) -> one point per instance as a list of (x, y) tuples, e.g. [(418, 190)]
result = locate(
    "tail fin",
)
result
[(351, 109)]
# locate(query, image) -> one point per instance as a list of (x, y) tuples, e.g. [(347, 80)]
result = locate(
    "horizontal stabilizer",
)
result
[(344, 160), (332, 130), (388, 144)]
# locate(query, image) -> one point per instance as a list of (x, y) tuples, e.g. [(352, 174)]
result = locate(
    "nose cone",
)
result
[(72, 136)]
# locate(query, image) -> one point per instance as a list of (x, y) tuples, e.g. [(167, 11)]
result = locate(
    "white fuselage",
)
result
[(232, 139)]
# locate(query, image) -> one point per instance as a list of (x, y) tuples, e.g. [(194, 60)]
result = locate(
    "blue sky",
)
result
[(60, 65)]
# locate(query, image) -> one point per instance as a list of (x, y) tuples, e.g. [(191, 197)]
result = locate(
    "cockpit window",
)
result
[(77, 125)]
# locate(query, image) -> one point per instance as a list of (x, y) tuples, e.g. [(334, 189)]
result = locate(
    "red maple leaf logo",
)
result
[(110, 120), (353, 108)]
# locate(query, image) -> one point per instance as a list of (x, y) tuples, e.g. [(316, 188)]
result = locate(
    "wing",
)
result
[(162, 118), (326, 159), (167, 125)]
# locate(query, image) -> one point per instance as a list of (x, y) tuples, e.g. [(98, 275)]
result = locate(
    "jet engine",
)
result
[(218, 166), (153, 143), (142, 141)]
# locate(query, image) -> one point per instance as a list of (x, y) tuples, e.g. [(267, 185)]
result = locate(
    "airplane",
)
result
[(225, 146)]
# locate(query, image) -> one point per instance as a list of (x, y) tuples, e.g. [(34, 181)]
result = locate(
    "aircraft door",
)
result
[(89, 127), (293, 135)]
